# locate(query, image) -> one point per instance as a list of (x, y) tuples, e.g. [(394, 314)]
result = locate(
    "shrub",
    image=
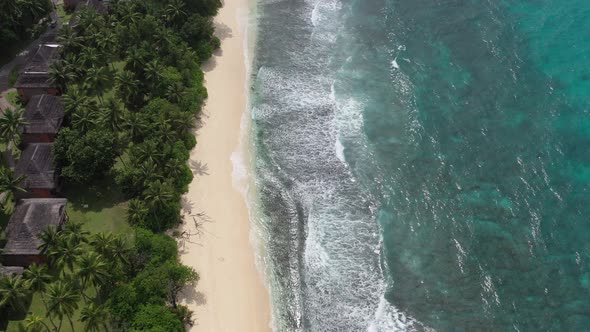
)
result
[(156, 318), (85, 158)]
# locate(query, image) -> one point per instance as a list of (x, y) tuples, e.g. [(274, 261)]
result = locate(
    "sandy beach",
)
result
[(231, 295)]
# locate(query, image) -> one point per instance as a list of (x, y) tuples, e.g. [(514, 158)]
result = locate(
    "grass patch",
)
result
[(13, 75), (100, 207), (37, 308), (13, 99)]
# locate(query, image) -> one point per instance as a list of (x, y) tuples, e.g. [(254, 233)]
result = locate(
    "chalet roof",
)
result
[(43, 58), (11, 270), (30, 218), (36, 163), (34, 80), (36, 71), (44, 114)]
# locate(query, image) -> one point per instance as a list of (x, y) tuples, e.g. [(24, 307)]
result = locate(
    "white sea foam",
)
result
[(339, 148), (310, 122), (242, 178)]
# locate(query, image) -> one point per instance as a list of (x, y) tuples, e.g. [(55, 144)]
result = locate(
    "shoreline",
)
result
[(231, 294)]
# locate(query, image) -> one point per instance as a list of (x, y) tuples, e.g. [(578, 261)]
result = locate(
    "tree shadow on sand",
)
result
[(222, 31), (190, 295), (198, 167)]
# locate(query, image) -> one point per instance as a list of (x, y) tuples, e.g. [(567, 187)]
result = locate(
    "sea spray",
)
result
[(323, 240)]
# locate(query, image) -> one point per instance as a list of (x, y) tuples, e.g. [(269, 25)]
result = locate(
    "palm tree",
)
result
[(127, 87), (112, 115), (66, 253), (183, 122), (165, 130), (12, 8), (175, 92), (97, 81), (90, 56), (148, 151), (174, 168), (174, 12), (135, 61), (49, 239), (94, 38), (153, 74), (62, 301), (73, 99), (158, 194), (121, 250), (73, 231), (93, 317), (36, 323), (77, 64), (88, 20), (13, 11), (84, 119), (14, 290), (150, 171), (69, 39), (11, 122), (35, 8), (136, 211), (38, 278), (9, 186), (92, 269), (103, 243), (61, 73), (134, 125)]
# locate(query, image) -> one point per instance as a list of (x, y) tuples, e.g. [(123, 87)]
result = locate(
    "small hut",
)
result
[(30, 218), (44, 115), (35, 78), (36, 164)]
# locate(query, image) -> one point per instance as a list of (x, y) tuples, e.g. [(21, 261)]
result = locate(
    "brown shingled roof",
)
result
[(11, 270), (31, 217), (36, 71), (43, 58), (36, 163), (44, 115)]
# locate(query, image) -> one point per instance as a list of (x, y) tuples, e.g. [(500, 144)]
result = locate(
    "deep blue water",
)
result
[(425, 164)]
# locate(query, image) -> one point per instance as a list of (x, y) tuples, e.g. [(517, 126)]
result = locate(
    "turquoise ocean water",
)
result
[(424, 164)]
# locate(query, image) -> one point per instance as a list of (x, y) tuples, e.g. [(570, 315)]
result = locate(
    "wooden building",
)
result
[(30, 218), (36, 164), (34, 78), (44, 115)]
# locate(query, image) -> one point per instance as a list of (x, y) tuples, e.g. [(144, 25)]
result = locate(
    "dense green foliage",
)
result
[(85, 156), (157, 93), (158, 280), (17, 20), (133, 88), (111, 281)]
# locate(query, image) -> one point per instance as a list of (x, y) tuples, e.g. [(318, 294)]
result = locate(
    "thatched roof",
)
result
[(36, 163), (36, 71), (11, 270), (44, 114), (31, 217)]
